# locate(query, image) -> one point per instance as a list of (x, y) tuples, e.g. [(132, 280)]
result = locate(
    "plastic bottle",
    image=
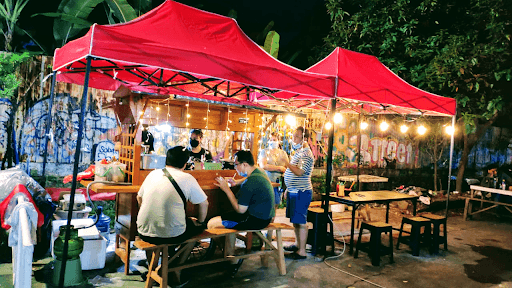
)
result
[(503, 184), (103, 224)]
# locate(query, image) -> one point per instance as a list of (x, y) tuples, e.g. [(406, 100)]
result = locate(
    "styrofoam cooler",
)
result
[(338, 207), (95, 245)]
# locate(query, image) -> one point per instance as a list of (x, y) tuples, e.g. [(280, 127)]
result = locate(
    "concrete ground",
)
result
[(479, 255)]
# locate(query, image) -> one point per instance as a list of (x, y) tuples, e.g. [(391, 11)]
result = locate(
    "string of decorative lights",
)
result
[(188, 115)]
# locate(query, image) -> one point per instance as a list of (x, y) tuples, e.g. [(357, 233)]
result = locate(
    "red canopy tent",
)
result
[(177, 49), (362, 78)]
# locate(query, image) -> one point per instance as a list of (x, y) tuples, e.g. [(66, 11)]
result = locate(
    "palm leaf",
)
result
[(122, 10), (272, 43), (142, 6), (62, 29)]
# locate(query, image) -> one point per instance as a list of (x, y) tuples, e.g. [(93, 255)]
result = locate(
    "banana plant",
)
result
[(10, 12)]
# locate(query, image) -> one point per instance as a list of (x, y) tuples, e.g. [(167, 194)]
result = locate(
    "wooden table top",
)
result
[(491, 190), (372, 196), (363, 178)]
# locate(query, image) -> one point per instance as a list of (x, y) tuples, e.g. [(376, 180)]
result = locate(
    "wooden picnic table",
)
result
[(473, 197), (356, 199)]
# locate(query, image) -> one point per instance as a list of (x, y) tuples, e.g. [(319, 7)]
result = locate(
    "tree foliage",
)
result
[(455, 48)]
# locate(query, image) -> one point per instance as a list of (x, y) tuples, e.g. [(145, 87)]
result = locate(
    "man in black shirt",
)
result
[(196, 151)]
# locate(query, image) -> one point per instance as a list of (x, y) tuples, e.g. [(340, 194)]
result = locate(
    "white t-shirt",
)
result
[(162, 213)]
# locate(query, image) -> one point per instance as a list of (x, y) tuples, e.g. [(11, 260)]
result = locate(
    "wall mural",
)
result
[(5, 106), (64, 130)]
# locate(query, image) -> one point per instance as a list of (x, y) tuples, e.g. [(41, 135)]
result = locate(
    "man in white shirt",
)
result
[(162, 218)]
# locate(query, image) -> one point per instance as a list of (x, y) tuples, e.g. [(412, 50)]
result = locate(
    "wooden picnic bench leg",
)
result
[(280, 253), (152, 267), (354, 208), (264, 258), (165, 266)]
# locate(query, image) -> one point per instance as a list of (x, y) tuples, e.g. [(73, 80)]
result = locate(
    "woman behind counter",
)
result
[(270, 161)]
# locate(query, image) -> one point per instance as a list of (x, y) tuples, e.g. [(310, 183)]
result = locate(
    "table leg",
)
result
[(414, 207), (354, 208), (387, 212)]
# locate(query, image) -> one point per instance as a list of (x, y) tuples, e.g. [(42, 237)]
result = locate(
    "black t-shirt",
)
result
[(206, 153)]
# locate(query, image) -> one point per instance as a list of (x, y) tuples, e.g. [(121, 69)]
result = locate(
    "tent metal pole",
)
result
[(75, 170), (48, 123), (450, 167), (359, 148), (328, 174)]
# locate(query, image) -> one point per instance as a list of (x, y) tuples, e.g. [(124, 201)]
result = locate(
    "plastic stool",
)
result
[(415, 238), (374, 248), (437, 221), (318, 237)]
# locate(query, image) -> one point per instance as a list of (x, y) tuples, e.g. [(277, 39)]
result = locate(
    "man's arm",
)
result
[(203, 209), (223, 184), (139, 200), (269, 167)]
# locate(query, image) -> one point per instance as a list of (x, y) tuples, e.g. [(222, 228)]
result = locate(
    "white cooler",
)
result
[(95, 245)]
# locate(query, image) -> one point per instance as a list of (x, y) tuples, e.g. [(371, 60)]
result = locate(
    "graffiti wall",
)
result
[(64, 130), (377, 148), (5, 106)]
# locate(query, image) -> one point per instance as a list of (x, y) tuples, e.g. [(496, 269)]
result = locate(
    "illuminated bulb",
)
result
[(328, 125), (188, 123), (140, 113), (158, 108), (188, 115), (204, 118), (338, 118), (364, 125), (290, 120), (449, 130), (404, 128), (384, 126), (422, 130), (186, 104)]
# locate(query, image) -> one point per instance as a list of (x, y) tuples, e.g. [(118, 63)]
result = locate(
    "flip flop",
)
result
[(296, 256), (291, 248)]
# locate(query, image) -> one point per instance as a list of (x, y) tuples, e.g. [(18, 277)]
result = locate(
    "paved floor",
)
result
[(479, 255)]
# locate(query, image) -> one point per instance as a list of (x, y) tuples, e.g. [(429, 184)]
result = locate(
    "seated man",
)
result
[(254, 208), (162, 202)]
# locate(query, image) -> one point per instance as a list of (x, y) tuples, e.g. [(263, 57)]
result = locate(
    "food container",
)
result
[(102, 171), (118, 172)]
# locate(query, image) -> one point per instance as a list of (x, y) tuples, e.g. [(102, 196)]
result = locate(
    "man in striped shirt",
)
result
[(297, 178)]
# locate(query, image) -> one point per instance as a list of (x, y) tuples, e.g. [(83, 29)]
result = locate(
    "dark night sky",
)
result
[(301, 23)]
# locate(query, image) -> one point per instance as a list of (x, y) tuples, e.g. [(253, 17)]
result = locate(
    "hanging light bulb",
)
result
[(449, 130), (290, 120), (338, 118), (328, 125), (422, 130), (384, 126), (364, 125), (404, 128)]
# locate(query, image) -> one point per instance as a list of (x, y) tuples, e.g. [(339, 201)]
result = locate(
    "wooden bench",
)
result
[(159, 273)]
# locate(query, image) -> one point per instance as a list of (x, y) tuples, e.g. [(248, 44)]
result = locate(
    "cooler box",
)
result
[(95, 245)]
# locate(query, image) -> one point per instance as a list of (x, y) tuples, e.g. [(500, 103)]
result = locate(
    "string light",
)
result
[(328, 125), (290, 120), (188, 115), (384, 125), (207, 115), (364, 125), (422, 130), (227, 123), (449, 130), (404, 128), (338, 118)]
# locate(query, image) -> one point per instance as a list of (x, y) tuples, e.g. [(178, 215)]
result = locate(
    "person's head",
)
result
[(244, 162), (273, 142), (177, 157), (492, 169), (196, 136), (298, 137)]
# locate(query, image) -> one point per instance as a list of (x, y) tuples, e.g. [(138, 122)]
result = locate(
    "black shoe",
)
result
[(235, 267), (291, 248), (295, 256), (144, 277)]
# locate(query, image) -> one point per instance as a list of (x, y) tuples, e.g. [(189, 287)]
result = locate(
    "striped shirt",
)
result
[(303, 159)]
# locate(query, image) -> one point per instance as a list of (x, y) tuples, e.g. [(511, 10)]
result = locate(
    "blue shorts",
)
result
[(277, 195), (297, 205)]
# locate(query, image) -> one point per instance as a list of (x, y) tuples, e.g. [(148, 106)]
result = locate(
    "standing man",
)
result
[(297, 178), (196, 151), (162, 218)]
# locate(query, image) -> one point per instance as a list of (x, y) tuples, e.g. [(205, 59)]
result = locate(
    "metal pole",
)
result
[(359, 148), (328, 174), (75, 171), (48, 123), (450, 168)]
